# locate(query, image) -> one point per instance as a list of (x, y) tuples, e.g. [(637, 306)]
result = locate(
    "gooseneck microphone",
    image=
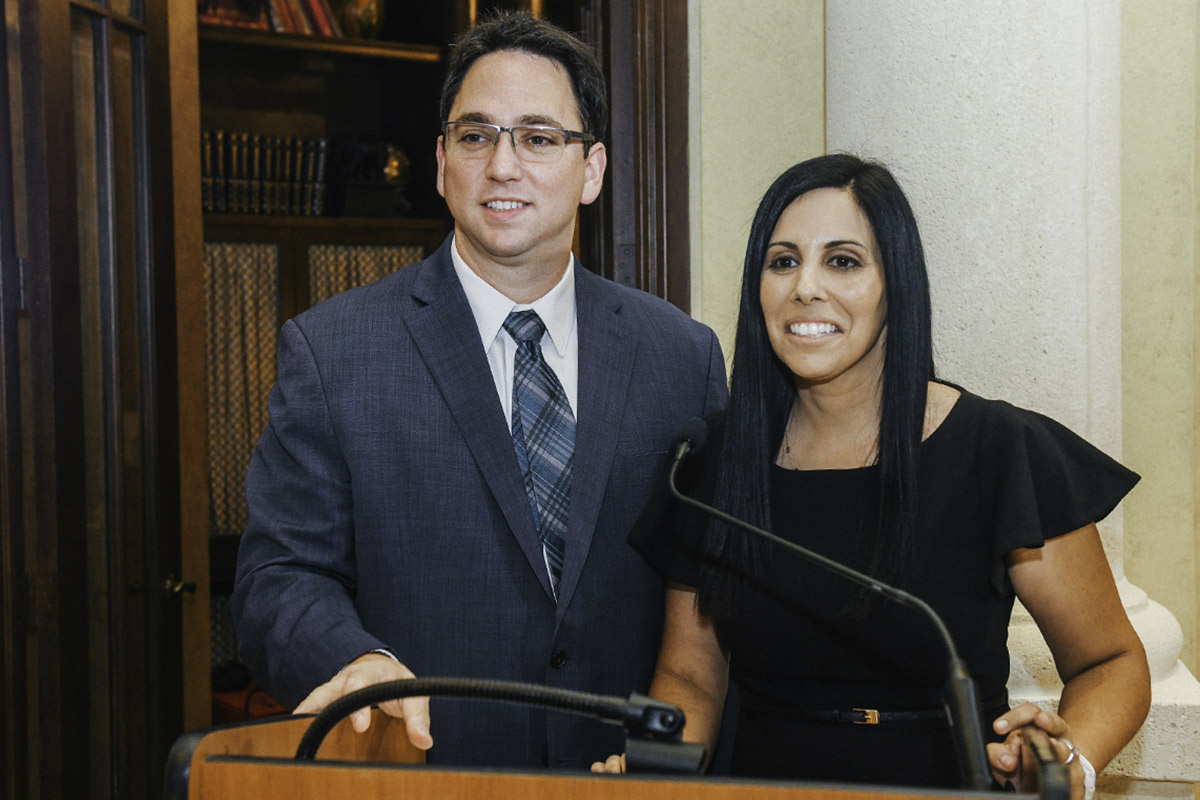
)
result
[(961, 696), (653, 728)]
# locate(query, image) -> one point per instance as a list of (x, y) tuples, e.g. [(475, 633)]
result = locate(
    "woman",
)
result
[(838, 438)]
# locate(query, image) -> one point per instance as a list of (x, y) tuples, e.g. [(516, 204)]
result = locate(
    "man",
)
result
[(431, 496)]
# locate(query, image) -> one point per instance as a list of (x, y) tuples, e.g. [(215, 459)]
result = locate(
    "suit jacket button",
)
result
[(558, 658)]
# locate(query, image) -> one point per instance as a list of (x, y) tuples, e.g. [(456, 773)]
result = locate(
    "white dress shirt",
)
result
[(560, 343)]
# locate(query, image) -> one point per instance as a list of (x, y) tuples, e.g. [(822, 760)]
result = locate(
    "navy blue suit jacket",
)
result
[(387, 509)]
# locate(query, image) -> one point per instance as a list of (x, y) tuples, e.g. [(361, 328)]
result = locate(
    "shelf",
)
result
[(434, 227), (366, 48)]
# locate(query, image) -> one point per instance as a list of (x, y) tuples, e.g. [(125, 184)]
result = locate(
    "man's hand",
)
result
[(613, 764), (364, 671)]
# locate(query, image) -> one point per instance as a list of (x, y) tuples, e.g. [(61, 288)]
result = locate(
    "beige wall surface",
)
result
[(1159, 233), (757, 106)]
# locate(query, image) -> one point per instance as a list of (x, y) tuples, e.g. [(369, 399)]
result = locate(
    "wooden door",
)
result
[(638, 233), (96, 592)]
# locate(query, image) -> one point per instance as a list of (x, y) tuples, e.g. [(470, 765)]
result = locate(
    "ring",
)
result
[(1074, 750)]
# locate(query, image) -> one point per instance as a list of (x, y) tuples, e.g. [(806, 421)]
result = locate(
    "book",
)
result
[(206, 171), (310, 176), (331, 17), (277, 15), (299, 16), (296, 184), (282, 166), (271, 175), (236, 176), (254, 184), (219, 186), (323, 20), (320, 154), (255, 173), (286, 176), (235, 13)]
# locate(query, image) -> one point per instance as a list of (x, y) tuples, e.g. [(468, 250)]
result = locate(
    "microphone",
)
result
[(653, 729), (689, 442), (961, 696)]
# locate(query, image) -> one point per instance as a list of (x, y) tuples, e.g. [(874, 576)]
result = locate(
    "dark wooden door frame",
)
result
[(51, 536), (46, 735), (639, 232), (13, 752)]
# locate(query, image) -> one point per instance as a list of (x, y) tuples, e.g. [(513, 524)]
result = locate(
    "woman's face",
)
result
[(822, 291)]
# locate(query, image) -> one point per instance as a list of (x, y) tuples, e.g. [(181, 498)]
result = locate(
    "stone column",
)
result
[(1002, 121)]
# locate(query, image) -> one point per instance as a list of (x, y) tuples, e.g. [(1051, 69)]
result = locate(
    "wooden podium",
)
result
[(255, 761)]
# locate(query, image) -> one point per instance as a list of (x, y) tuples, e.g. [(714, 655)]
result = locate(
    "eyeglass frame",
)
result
[(586, 139)]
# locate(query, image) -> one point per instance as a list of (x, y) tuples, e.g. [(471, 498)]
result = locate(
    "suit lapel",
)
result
[(444, 332), (606, 355)]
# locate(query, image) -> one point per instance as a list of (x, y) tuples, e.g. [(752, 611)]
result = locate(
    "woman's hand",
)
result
[(612, 764), (1013, 759)]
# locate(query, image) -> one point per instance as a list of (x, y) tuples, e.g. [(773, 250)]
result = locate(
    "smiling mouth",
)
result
[(813, 328), (505, 205)]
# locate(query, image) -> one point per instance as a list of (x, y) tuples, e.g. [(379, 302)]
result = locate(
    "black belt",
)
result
[(868, 716), (927, 717)]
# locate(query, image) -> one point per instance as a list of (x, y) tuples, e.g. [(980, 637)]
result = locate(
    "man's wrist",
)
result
[(383, 651)]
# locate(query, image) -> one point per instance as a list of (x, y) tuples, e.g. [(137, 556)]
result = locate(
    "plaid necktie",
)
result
[(543, 432)]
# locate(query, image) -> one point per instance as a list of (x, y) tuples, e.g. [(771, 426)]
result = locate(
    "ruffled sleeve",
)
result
[(1046, 480)]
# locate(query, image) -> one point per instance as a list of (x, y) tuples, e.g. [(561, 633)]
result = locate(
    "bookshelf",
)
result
[(359, 96), (365, 102), (364, 48)]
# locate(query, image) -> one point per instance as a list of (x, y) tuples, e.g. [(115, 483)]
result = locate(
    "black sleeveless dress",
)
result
[(993, 478)]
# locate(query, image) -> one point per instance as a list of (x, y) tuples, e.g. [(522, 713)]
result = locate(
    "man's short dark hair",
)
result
[(522, 32)]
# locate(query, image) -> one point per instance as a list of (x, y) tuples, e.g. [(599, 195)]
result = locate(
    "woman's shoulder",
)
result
[(998, 427), (994, 416), (1044, 479), (940, 401)]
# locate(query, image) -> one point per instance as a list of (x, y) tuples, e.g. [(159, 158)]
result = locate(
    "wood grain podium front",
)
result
[(255, 761)]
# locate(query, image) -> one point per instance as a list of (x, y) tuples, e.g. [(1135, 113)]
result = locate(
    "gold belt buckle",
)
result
[(871, 714)]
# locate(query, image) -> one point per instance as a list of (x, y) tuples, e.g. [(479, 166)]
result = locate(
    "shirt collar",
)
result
[(491, 307)]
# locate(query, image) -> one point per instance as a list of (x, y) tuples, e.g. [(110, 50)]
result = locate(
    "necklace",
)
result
[(787, 455), (791, 462)]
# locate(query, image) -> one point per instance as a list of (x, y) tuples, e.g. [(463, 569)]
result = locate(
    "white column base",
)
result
[(1118, 788)]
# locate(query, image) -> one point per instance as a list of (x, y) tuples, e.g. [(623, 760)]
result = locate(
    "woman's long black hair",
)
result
[(762, 388)]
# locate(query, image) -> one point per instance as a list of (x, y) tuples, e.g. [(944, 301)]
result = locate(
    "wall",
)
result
[(1159, 284), (757, 107)]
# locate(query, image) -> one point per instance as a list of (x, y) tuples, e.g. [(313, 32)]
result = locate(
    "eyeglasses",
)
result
[(537, 144)]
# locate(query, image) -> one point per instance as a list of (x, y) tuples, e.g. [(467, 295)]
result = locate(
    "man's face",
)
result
[(509, 213)]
